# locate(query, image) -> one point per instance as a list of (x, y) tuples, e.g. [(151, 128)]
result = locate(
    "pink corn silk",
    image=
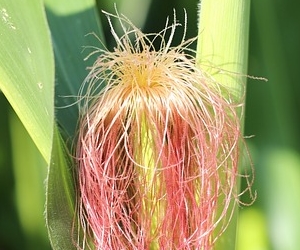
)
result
[(157, 150)]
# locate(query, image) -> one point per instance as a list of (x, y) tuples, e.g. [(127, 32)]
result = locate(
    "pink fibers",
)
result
[(157, 149)]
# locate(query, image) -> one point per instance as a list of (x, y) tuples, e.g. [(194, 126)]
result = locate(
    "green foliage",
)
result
[(222, 46), (28, 78), (30, 172), (27, 68), (222, 51), (72, 24), (60, 204)]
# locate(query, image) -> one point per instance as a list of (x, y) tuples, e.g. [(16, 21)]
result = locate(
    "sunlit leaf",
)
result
[(223, 45), (27, 68)]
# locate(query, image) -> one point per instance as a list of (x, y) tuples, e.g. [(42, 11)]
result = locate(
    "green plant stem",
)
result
[(222, 52)]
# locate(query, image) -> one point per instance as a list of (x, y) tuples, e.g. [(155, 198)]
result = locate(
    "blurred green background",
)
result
[(272, 116)]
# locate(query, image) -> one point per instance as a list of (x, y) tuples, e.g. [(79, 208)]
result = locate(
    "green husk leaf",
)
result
[(60, 201), (222, 51), (222, 48)]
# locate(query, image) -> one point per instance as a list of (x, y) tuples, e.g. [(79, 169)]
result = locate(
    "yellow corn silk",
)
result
[(157, 147)]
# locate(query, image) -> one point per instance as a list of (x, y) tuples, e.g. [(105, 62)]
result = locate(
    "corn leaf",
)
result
[(30, 173), (70, 23), (60, 199), (27, 68)]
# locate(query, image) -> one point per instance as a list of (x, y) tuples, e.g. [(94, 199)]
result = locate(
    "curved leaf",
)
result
[(27, 68)]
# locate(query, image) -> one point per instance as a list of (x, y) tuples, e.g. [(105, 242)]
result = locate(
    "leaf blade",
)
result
[(27, 68), (60, 196), (70, 24)]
